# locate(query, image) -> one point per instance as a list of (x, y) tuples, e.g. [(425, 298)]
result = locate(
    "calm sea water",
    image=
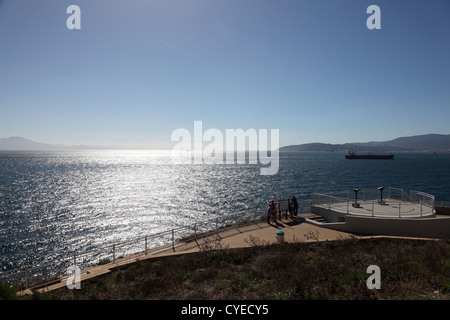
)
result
[(54, 203)]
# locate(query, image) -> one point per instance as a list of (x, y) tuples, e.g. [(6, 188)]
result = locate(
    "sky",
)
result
[(137, 70)]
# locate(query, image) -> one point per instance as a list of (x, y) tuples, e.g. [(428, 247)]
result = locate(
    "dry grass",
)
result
[(410, 269)]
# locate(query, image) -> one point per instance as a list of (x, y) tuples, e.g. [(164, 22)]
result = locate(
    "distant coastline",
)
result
[(422, 143), (419, 143), (23, 144)]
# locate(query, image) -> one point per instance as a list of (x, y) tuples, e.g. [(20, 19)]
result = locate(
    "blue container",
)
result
[(280, 236)]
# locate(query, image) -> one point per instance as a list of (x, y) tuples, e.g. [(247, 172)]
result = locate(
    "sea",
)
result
[(57, 203)]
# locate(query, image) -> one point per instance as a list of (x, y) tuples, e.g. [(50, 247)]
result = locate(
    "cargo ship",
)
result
[(352, 155)]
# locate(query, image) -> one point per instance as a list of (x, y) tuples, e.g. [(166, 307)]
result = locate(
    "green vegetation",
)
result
[(410, 269), (7, 292)]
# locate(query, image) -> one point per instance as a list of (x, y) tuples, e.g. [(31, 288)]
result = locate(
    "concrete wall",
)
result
[(419, 227), (442, 210), (329, 215)]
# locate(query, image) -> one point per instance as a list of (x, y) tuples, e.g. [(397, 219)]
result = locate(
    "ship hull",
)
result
[(370, 156)]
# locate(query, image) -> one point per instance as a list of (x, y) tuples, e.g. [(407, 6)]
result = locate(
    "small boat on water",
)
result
[(352, 155)]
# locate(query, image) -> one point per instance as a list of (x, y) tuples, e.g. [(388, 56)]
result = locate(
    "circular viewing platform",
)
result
[(382, 202), (390, 208), (395, 213)]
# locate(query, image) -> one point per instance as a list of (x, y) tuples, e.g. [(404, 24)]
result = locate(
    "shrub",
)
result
[(7, 292)]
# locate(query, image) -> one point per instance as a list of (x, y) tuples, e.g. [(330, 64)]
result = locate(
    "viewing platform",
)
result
[(387, 211)]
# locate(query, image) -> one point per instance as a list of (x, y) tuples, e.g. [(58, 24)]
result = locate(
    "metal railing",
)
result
[(50, 272), (442, 207), (441, 204), (56, 270), (397, 200)]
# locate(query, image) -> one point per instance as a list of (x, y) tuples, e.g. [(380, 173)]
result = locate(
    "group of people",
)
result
[(273, 209)]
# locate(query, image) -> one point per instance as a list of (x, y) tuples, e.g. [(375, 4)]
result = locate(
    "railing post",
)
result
[(373, 214), (114, 253), (173, 240), (399, 205), (26, 279), (145, 239), (421, 203)]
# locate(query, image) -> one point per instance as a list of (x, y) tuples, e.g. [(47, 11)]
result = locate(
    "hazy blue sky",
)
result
[(139, 69)]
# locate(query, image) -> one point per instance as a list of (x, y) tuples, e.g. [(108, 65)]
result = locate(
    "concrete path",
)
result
[(234, 237)]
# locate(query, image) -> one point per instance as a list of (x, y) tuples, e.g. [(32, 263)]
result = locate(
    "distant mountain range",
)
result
[(19, 143), (427, 142)]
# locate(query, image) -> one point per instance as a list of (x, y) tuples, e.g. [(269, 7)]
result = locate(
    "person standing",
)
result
[(273, 206), (290, 209), (295, 203)]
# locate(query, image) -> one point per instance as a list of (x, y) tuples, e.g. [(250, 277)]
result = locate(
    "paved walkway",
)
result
[(233, 237)]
